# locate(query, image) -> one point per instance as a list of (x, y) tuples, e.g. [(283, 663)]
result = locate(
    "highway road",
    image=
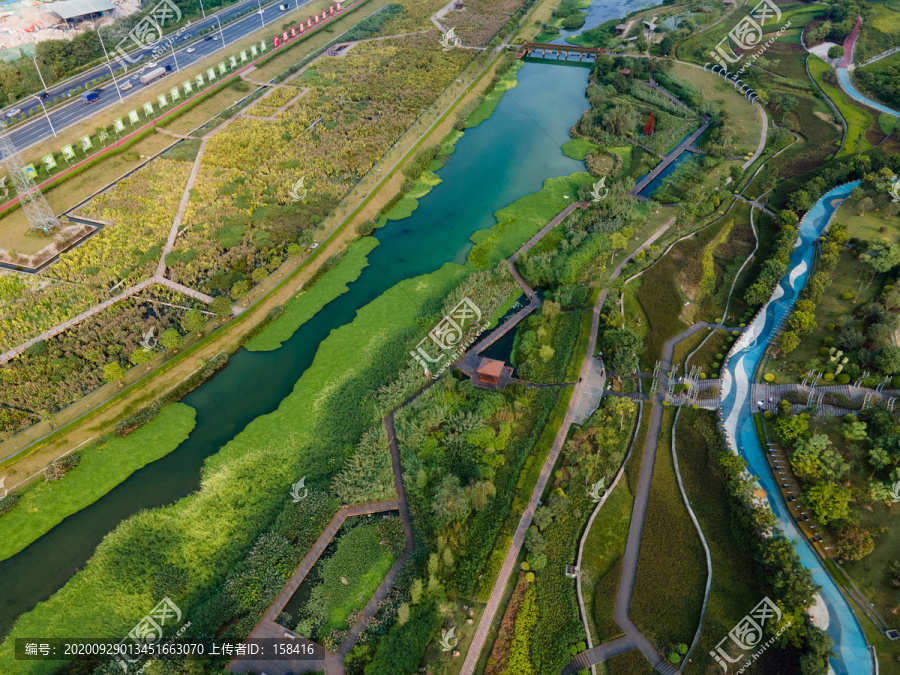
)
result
[(64, 116)]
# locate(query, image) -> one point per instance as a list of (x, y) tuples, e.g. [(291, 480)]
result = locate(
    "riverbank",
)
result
[(353, 357)]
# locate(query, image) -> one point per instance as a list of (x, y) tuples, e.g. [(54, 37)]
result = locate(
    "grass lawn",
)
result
[(14, 227), (793, 367), (578, 148), (304, 306), (519, 221), (745, 120), (507, 81), (671, 572), (601, 562), (666, 286), (868, 226), (858, 120), (734, 589), (44, 505), (706, 356), (364, 563), (203, 112)]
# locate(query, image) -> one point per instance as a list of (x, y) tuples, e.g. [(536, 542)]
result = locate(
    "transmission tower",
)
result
[(36, 209)]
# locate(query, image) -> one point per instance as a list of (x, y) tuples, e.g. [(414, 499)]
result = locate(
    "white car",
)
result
[(12, 113), (191, 50), (260, 11), (126, 86), (152, 64), (215, 37)]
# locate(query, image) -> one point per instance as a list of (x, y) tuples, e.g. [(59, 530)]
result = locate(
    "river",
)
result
[(508, 156), (737, 408)]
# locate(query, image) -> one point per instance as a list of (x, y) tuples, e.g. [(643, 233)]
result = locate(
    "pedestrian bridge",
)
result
[(526, 48)]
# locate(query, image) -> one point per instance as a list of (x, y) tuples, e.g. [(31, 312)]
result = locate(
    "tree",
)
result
[(194, 321), (883, 256), (835, 52), (141, 355), (171, 339), (855, 543), (865, 205), (854, 430), (885, 452), (802, 322), (113, 372), (888, 360), (546, 352), (793, 428), (451, 502), (666, 44), (828, 501), (220, 306), (239, 290), (789, 341)]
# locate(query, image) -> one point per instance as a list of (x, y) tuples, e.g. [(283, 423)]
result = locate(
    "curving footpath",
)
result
[(509, 563)]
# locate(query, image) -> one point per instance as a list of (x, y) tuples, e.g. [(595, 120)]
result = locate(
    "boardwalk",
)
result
[(671, 157), (509, 562), (268, 627), (66, 325), (468, 363)]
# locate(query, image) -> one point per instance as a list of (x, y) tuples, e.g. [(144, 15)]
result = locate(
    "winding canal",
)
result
[(507, 157), (849, 643)]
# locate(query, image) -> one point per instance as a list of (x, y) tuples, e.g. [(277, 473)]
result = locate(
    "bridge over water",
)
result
[(526, 48)]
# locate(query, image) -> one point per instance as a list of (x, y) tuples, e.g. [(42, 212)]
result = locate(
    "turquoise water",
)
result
[(851, 91), (601, 12), (508, 156), (849, 643)]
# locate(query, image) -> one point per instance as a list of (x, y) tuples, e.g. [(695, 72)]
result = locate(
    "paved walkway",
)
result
[(509, 563), (762, 137)]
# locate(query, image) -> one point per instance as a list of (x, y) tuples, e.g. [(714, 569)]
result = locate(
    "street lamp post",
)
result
[(111, 71), (221, 32), (261, 17), (34, 58), (46, 114), (172, 45)]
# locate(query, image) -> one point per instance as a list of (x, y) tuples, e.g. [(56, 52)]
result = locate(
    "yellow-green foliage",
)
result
[(520, 655), (708, 280)]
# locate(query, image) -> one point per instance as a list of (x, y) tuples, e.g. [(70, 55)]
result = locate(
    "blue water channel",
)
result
[(652, 186), (844, 77), (507, 157), (737, 409)]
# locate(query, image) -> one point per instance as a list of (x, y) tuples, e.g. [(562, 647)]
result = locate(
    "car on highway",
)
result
[(283, 8), (98, 90), (215, 37), (126, 86), (12, 113), (43, 96), (191, 50), (187, 37), (152, 64), (208, 38), (261, 11)]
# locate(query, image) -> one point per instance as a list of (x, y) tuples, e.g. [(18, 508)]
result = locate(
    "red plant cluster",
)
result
[(648, 126)]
